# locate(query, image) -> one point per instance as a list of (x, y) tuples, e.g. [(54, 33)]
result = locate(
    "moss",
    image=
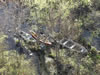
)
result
[(2, 42), (53, 52), (2, 38)]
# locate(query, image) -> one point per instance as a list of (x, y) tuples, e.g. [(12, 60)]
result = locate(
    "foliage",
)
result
[(57, 18), (11, 62), (55, 15)]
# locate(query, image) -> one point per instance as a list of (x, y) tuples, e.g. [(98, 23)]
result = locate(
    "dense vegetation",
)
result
[(58, 19)]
